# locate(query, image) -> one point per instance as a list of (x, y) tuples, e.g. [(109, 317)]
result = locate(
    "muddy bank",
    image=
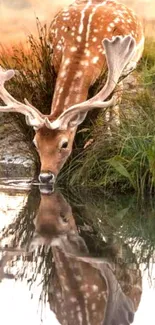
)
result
[(17, 156)]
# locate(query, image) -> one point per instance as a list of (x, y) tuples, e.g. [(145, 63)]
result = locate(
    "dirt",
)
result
[(16, 155)]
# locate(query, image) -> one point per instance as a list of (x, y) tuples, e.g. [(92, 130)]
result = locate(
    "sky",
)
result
[(17, 17)]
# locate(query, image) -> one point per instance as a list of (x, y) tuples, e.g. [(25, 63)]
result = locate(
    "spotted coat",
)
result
[(76, 36)]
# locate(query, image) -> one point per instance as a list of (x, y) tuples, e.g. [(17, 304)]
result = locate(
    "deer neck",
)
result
[(71, 87)]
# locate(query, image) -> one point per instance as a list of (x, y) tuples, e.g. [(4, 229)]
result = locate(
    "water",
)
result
[(75, 256)]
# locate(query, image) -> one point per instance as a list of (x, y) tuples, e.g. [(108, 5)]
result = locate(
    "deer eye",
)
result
[(64, 144)]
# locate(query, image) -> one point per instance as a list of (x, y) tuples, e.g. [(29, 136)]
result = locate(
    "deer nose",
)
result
[(46, 177)]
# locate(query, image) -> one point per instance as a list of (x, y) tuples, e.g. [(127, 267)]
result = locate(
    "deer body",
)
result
[(88, 38), (76, 35)]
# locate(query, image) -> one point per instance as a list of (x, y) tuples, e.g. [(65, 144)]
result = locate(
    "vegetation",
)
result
[(35, 77), (120, 157), (108, 222)]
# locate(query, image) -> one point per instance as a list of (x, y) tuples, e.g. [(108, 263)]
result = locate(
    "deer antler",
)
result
[(33, 116), (118, 53)]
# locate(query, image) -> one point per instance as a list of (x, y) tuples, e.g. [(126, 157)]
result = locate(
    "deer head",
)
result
[(86, 38), (83, 290)]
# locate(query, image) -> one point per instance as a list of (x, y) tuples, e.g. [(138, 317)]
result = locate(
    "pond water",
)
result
[(75, 256)]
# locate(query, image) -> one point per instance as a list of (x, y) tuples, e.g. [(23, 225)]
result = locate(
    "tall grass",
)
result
[(35, 76), (125, 158)]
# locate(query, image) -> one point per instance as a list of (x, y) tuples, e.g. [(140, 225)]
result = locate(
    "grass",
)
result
[(102, 217), (35, 77), (122, 159)]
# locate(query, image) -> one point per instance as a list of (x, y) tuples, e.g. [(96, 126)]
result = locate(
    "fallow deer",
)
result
[(87, 38), (83, 290)]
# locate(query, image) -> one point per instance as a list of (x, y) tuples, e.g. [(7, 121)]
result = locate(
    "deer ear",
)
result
[(77, 120)]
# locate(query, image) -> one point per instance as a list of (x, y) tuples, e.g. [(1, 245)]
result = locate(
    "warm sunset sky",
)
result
[(17, 17)]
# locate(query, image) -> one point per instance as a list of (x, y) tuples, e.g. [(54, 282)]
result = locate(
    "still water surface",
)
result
[(75, 256)]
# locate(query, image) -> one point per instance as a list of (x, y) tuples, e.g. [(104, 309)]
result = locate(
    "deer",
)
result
[(89, 38), (83, 289)]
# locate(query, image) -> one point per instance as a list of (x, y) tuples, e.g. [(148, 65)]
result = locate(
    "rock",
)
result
[(16, 156)]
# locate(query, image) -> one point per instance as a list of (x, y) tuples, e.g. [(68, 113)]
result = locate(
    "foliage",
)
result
[(122, 157), (35, 77)]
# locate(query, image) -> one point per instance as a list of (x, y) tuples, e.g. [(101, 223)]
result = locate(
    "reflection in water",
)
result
[(84, 290), (81, 250)]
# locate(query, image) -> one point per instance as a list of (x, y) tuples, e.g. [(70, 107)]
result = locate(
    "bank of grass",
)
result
[(120, 159), (124, 157)]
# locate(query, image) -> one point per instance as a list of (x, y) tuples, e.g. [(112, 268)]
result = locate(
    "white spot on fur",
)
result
[(78, 278), (79, 74), (129, 20), (95, 288), (109, 29), (66, 18), (66, 288), (94, 39), (87, 52), (67, 61), (73, 299), (58, 47), (62, 74), (65, 13), (60, 90), (116, 20), (112, 25), (102, 51), (79, 38), (73, 49), (93, 307), (84, 63), (95, 59), (80, 318)]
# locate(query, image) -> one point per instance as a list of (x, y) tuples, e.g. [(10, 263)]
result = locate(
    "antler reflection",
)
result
[(83, 290)]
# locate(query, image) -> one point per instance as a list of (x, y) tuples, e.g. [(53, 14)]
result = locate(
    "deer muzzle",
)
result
[(47, 177)]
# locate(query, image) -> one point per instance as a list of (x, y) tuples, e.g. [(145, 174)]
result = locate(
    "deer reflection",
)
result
[(84, 290)]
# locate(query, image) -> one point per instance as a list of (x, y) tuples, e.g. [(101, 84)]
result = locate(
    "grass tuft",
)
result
[(35, 76)]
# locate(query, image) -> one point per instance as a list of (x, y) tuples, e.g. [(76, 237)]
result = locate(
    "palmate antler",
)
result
[(118, 51), (33, 116)]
